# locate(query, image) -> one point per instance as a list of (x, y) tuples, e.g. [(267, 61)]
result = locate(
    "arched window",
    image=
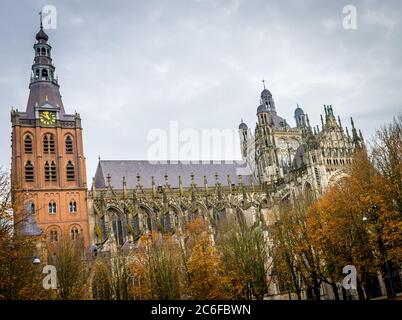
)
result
[(118, 227), (47, 171), (50, 171), (43, 51), (28, 143), (149, 222), (33, 208), (52, 207), (73, 206), (74, 233), (29, 172), (135, 224), (45, 73), (53, 172), (48, 144), (102, 225), (54, 236), (69, 145), (165, 222), (70, 171)]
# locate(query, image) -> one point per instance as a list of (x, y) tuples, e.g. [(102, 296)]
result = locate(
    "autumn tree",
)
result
[(308, 260), (245, 253), (386, 156), (20, 278), (338, 233), (69, 258), (156, 268), (282, 250), (101, 279), (207, 276)]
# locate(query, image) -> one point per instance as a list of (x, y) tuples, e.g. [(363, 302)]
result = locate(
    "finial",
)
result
[(40, 19), (308, 120), (352, 122), (322, 121), (229, 183), (192, 179), (314, 131), (347, 131), (180, 186), (93, 188), (339, 120), (99, 158), (206, 185), (263, 83), (166, 180)]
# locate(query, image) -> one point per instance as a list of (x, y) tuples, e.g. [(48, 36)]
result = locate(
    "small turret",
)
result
[(300, 117)]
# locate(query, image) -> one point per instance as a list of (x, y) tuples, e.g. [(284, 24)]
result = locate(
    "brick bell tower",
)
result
[(48, 165)]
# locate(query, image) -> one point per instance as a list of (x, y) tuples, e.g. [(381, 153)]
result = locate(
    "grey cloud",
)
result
[(131, 66)]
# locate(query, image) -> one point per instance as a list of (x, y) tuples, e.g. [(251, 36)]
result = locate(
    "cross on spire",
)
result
[(263, 83)]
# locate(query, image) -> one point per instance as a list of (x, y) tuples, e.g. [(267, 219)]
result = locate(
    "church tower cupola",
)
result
[(300, 117), (44, 87), (42, 68), (267, 100)]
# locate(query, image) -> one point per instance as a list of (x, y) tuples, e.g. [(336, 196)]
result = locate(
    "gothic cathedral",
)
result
[(131, 198)]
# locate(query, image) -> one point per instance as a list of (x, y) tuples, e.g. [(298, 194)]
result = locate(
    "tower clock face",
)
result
[(47, 118)]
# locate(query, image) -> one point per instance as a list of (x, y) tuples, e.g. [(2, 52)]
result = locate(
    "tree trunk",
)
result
[(298, 292), (344, 294), (360, 291), (335, 290), (316, 288), (387, 276)]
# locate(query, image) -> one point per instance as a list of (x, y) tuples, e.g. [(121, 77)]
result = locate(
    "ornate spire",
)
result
[(340, 123), (44, 87), (180, 186), (153, 186)]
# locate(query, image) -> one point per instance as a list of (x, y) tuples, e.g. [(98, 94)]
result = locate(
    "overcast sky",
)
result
[(132, 66)]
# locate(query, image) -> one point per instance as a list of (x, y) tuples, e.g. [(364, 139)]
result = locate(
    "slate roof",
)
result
[(278, 121), (38, 93), (146, 169)]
